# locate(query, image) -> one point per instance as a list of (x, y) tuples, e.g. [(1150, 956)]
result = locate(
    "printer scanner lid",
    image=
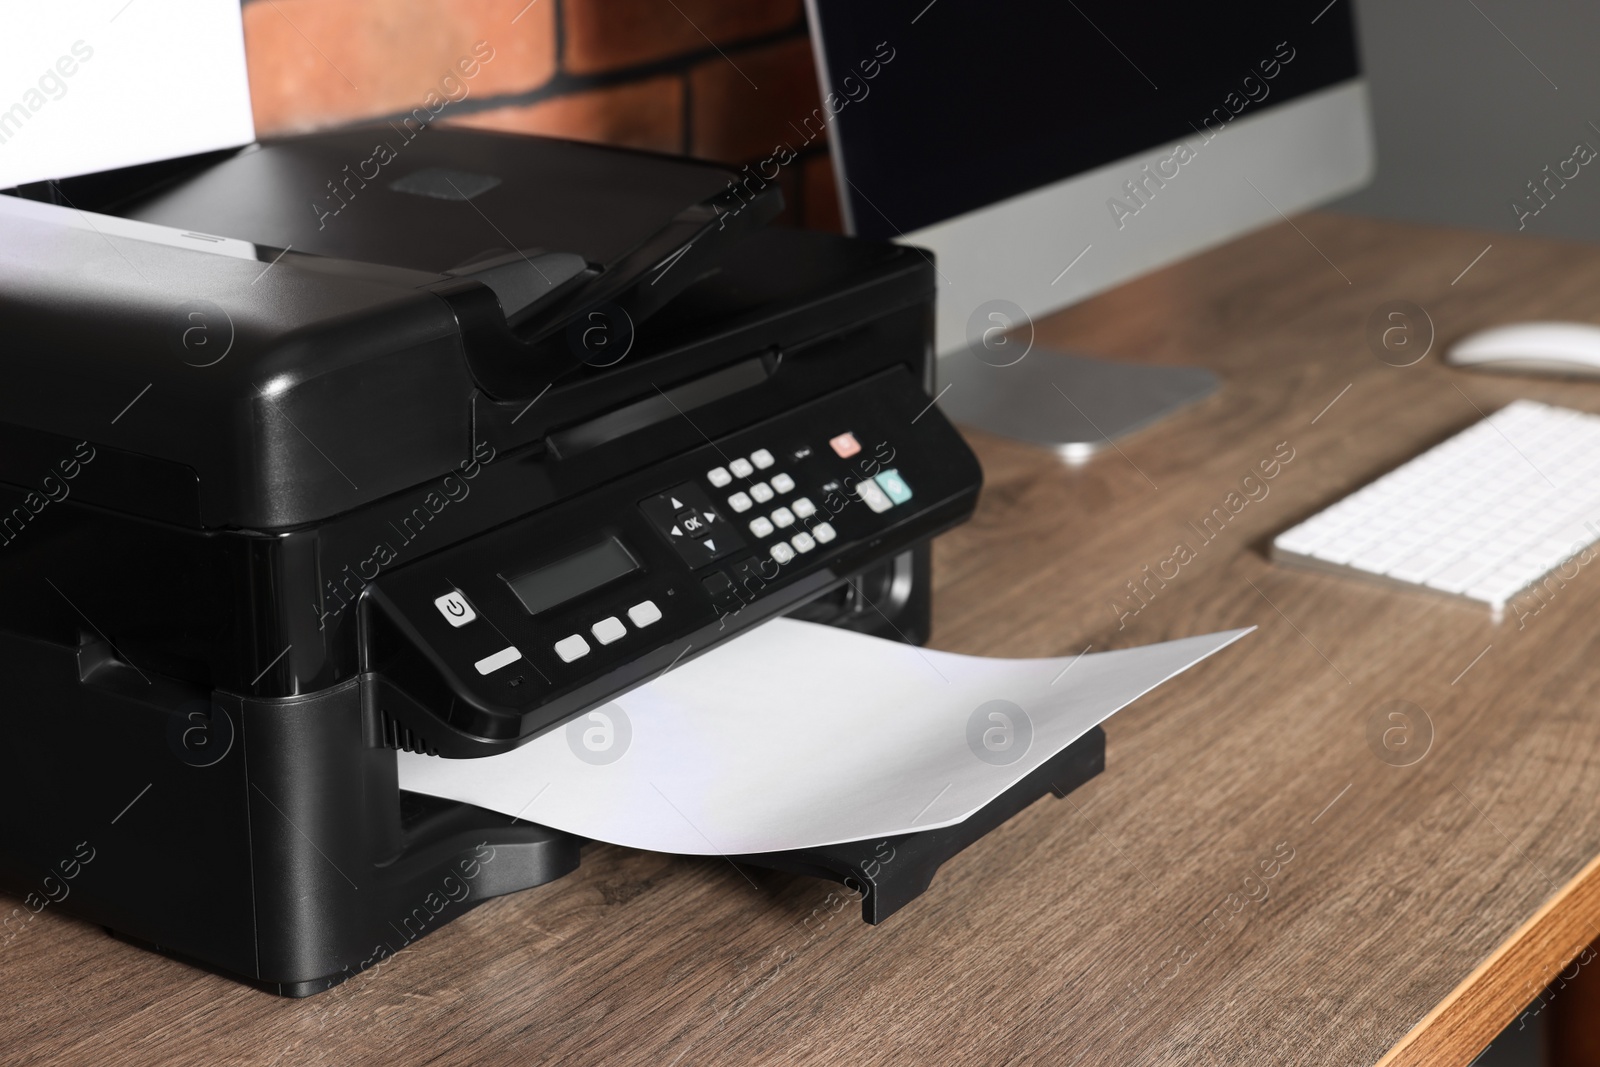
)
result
[(446, 199), (231, 322)]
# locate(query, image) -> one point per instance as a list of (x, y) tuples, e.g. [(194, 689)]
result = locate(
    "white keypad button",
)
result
[(782, 517), (455, 609), (802, 542), (572, 647), (783, 483), (804, 508), (608, 630), (504, 658), (873, 495), (761, 492), (644, 613), (762, 458), (761, 526), (718, 476), (741, 468), (782, 552), (740, 502), (824, 532)]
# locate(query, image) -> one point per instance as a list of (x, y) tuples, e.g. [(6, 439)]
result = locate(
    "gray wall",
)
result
[(1465, 120)]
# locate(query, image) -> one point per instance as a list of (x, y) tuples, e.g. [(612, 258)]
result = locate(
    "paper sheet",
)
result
[(796, 735), (94, 84)]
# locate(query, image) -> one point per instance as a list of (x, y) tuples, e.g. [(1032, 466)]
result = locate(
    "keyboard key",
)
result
[(762, 459), (782, 517), (1300, 540), (1420, 566), (823, 532), (644, 613), (1497, 589), (803, 542), (718, 477), (761, 526), (761, 492), (803, 507), (1458, 576), (740, 502), (783, 483), (741, 468), (782, 552)]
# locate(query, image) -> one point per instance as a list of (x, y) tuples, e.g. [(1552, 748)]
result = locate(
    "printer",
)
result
[(346, 444)]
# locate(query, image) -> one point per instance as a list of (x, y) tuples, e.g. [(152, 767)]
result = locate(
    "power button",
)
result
[(455, 609)]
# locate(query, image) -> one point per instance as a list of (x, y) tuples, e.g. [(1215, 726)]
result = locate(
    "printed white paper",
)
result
[(796, 735), (94, 84)]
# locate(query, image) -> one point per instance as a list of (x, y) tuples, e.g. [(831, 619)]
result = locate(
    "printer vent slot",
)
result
[(399, 736)]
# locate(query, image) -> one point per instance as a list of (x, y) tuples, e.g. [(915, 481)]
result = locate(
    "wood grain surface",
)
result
[(1253, 879)]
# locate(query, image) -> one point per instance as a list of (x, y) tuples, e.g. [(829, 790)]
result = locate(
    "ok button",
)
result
[(455, 609)]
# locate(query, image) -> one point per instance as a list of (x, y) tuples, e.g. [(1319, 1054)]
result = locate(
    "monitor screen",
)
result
[(942, 108)]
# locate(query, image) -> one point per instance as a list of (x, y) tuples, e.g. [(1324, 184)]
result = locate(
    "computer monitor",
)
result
[(1045, 151)]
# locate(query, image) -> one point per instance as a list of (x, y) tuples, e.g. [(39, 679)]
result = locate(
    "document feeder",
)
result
[(283, 493)]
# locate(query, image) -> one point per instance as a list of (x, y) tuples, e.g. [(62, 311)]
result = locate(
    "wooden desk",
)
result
[(1410, 910)]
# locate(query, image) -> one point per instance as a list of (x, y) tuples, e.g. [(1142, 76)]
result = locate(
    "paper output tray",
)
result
[(891, 872)]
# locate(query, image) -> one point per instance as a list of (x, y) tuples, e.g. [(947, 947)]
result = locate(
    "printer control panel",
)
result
[(508, 634), (783, 504)]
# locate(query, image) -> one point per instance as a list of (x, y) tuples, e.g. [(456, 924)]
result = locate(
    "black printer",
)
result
[(346, 444)]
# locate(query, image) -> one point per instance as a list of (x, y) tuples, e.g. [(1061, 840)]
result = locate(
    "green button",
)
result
[(891, 483)]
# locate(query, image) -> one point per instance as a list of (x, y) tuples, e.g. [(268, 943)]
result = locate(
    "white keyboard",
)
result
[(1483, 515)]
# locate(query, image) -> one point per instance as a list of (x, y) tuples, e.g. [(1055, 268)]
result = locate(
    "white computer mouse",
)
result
[(1568, 348)]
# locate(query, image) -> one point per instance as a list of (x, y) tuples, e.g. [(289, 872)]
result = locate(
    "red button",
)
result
[(845, 445)]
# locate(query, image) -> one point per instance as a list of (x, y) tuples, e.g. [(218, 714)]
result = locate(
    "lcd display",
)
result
[(557, 583)]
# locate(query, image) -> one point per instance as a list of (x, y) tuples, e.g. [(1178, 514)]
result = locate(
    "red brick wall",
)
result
[(726, 80)]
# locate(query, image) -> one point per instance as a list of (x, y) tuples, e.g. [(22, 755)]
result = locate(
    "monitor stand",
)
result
[(1072, 404)]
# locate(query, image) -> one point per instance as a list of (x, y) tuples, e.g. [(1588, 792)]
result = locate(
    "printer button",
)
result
[(783, 517), (782, 552), (873, 496), (692, 523), (762, 458), (803, 507), (455, 609), (802, 542), (608, 630), (894, 485), (783, 483), (504, 658), (740, 502), (761, 492), (845, 445), (644, 613), (824, 532), (720, 586), (741, 468), (572, 647), (718, 477)]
